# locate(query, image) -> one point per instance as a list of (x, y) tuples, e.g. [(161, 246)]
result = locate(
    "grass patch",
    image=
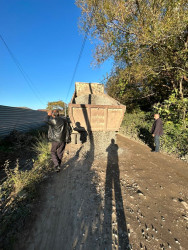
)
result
[(20, 188)]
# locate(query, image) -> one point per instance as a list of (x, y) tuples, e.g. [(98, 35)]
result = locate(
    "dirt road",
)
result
[(125, 197)]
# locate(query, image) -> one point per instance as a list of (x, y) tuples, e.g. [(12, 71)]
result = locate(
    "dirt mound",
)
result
[(97, 143), (96, 100)]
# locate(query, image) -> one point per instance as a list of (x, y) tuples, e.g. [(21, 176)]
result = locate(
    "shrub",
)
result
[(175, 117), (42, 148), (19, 189), (138, 125), (174, 110), (175, 139)]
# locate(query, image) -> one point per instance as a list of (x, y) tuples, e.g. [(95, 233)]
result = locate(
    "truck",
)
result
[(93, 110)]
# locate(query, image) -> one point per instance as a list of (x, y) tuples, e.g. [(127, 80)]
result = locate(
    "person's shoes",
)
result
[(57, 168)]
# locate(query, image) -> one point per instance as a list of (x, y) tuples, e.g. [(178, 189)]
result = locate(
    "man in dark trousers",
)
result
[(57, 135), (157, 131)]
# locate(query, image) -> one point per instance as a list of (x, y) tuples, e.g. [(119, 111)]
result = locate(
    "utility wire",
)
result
[(80, 54), (20, 68), (76, 67)]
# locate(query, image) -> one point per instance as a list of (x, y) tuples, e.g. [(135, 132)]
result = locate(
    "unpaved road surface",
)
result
[(125, 197)]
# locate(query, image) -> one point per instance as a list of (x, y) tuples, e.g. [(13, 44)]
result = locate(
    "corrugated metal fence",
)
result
[(20, 119)]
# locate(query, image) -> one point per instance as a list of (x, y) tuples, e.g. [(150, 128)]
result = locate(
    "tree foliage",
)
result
[(60, 105), (173, 110), (148, 40)]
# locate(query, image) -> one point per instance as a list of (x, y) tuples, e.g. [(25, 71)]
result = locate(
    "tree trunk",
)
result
[(184, 114), (173, 84), (181, 88)]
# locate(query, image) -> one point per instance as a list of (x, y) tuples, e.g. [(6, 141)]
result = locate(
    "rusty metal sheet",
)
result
[(21, 119), (114, 118), (97, 117)]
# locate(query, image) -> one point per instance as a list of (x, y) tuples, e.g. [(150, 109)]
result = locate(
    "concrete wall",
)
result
[(21, 119)]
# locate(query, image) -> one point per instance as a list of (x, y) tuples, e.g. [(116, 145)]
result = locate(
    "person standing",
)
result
[(157, 131), (57, 136)]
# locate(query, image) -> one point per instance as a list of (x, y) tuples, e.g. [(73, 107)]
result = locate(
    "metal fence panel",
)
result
[(20, 119)]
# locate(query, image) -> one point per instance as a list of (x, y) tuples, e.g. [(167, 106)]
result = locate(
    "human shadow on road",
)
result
[(113, 213), (82, 131), (146, 137)]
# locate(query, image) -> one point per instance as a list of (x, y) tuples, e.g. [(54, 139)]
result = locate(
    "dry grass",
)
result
[(19, 189)]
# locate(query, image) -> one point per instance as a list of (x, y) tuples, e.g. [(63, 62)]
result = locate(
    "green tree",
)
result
[(60, 105), (148, 40)]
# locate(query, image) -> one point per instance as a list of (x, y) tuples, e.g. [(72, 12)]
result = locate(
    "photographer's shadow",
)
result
[(110, 214)]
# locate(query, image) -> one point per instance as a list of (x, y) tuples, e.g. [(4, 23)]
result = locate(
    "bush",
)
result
[(138, 125), (42, 148), (175, 139), (19, 189), (175, 117)]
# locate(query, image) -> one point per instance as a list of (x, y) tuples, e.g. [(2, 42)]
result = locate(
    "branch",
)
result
[(143, 97)]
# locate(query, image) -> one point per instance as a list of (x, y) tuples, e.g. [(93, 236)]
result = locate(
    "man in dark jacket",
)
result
[(157, 131), (57, 135)]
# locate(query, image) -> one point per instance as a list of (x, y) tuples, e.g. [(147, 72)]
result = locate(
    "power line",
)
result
[(20, 68), (81, 51), (79, 57)]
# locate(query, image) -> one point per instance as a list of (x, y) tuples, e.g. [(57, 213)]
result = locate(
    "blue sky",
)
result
[(44, 37)]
